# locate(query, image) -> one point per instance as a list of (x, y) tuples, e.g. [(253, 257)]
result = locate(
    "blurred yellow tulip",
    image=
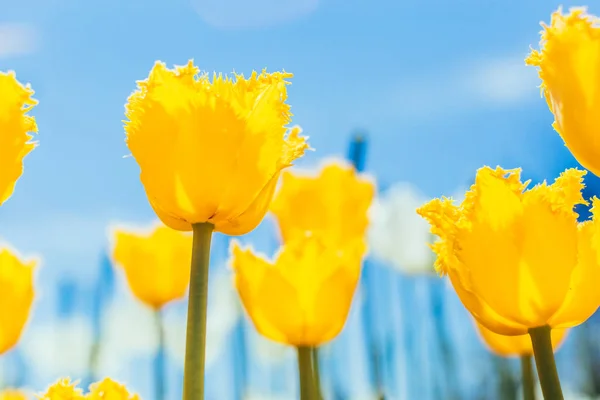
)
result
[(334, 202), (156, 264), (509, 346), (518, 259), (13, 394), (107, 389), (16, 296), (63, 389), (211, 151), (569, 66), (15, 129), (302, 298)]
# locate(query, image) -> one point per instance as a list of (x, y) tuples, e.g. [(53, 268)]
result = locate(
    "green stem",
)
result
[(527, 377), (159, 362), (544, 361), (193, 375), (317, 372), (306, 373)]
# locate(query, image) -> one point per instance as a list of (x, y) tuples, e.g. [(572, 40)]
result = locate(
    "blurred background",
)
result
[(434, 88)]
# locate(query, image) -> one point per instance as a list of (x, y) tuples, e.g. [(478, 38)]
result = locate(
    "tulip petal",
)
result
[(15, 129), (583, 296), (569, 66)]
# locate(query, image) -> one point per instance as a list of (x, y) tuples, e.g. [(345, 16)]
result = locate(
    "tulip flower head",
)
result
[(211, 151), (303, 296), (334, 203), (516, 346), (16, 296), (156, 264), (517, 258), (15, 129), (569, 66), (106, 389)]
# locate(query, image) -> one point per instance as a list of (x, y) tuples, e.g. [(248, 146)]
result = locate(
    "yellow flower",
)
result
[(156, 264), (569, 66), (106, 389), (302, 298), (64, 389), (15, 126), (334, 203), (518, 259), (211, 151), (508, 346), (13, 394), (16, 296)]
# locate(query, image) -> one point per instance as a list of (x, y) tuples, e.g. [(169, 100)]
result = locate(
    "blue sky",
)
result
[(440, 87)]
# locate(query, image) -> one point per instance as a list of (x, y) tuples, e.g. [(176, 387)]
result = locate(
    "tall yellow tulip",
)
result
[(210, 155), (156, 263), (15, 129), (569, 66), (211, 151), (303, 296), (518, 259), (16, 296), (334, 202)]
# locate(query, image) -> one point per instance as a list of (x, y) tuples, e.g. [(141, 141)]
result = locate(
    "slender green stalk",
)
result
[(528, 381), (544, 361), (306, 373), (159, 362), (193, 375), (317, 372)]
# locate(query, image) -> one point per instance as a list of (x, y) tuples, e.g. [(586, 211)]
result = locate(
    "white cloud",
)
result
[(251, 14), (502, 82), (17, 39)]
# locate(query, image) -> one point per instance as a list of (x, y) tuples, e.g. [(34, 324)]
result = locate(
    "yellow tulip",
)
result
[(509, 346), (106, 389), (334, 202), (16, 296), (569, 66), (156, 264), (63, 390), (302, 298), (518, 259), (15, 126), (211, 151), (13, 394)]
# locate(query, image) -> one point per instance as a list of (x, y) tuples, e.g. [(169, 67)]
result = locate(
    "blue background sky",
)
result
[(440, 87)]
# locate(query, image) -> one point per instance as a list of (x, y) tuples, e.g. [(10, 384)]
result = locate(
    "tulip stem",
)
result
[(193, 375), (317, 372), (159, 361), (527, 377), (544, 361), (306, 373)]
